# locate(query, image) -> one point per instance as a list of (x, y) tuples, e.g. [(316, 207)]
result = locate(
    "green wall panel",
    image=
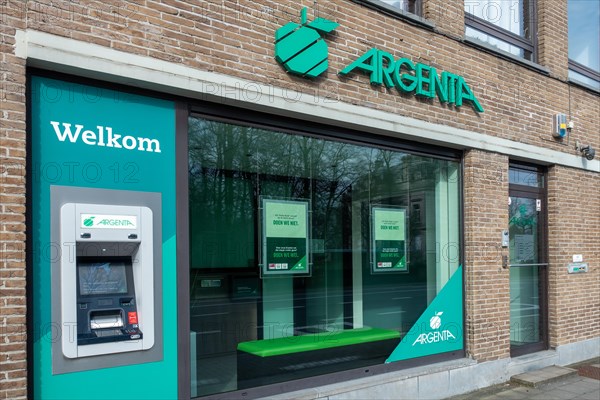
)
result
[(81, 160)]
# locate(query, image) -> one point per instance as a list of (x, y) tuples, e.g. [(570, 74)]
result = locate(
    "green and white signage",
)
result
[(439, 328), (92, 137), (389, 239), (285, 237), (108, 221), (409, 77), (301, 50)]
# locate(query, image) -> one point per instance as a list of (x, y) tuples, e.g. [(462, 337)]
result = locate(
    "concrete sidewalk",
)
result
[(579, 381)]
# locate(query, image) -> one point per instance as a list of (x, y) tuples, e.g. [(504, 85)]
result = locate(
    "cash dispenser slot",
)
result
[(106, 319), (107, 310)]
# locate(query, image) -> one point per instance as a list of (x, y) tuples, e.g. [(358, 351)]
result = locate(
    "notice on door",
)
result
[(389, 239), (285, 237)]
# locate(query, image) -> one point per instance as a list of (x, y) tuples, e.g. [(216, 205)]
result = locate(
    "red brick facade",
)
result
[(235, 38)]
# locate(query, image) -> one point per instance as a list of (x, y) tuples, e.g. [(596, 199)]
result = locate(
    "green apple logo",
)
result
[(300, 48), (435, 322), (88, 221)]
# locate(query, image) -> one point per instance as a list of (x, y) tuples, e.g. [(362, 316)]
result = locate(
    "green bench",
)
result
[(262, 362)]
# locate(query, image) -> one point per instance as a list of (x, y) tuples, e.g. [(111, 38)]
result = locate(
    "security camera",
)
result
[(588, 152)]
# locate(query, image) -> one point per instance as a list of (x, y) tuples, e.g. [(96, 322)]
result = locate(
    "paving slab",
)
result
[(554, 383), (543, 376)]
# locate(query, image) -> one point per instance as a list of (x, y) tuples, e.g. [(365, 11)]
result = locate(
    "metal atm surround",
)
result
[(135, 243), (106, 356)]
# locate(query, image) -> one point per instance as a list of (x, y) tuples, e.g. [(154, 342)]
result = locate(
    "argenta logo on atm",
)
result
[(300, 48), (104, 137), (109, 221)]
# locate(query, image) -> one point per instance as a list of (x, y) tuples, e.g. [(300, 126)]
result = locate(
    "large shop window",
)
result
[(584, 42), (311, 256), (505, 24)]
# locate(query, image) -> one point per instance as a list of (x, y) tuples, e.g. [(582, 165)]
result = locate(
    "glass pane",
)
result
[(249, 329), (524, 277), (526, 177), (524, 305), (502, 45), (404, 5), (575, 76), (584, 32), (522, 229), (511, 15)]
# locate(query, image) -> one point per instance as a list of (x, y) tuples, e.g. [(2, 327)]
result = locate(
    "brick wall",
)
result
[(448, 16), (486, 282), (573, 225), (235, 37), (13, 364), (552, 30)]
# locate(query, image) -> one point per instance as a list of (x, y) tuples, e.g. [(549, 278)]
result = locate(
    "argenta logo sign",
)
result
[(408, 77), (108, 221), (301, 49), (436, 336), (103, 137)]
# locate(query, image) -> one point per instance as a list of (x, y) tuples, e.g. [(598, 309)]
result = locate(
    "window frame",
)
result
[(414, 18), (529, 46), (261, 119), (581, 69), (417, 5)]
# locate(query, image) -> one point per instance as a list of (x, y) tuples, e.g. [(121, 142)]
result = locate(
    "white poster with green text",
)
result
[(285, 237), (389, 239)]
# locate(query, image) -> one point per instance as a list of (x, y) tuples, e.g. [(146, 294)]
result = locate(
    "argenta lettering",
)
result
[(408, 77), (434, 337), (104, 137), (115, 222)]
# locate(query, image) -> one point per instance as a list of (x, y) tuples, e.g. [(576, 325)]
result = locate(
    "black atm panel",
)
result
[(106, 306)]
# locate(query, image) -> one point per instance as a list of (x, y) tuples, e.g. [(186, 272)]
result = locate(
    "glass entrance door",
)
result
[(527, 261)]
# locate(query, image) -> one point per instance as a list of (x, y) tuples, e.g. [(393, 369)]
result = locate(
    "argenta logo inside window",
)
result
[(300, 48), (436, 336), (103, 136)]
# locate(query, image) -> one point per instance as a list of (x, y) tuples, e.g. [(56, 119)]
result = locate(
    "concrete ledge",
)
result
[(409, 384), (579, 351), (450, 378)]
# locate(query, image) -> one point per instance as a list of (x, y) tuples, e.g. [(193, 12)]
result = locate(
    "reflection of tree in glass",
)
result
[(231, 166), (523, 215)]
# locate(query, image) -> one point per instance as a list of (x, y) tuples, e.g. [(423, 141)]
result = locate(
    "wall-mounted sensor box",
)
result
[(559, 126), (505, 238), (576, 268)]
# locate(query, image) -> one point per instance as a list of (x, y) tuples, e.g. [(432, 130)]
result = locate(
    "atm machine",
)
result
[(106, 279)]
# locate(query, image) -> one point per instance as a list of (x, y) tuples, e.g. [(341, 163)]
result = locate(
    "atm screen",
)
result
[(102, 278)]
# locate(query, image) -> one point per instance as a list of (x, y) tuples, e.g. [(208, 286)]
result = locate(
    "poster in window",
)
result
[(285, 237), (389, 239)]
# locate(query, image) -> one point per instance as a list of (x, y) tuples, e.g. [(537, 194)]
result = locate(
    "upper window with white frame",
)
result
[(409, 6), (584, 42), (505, 24)]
